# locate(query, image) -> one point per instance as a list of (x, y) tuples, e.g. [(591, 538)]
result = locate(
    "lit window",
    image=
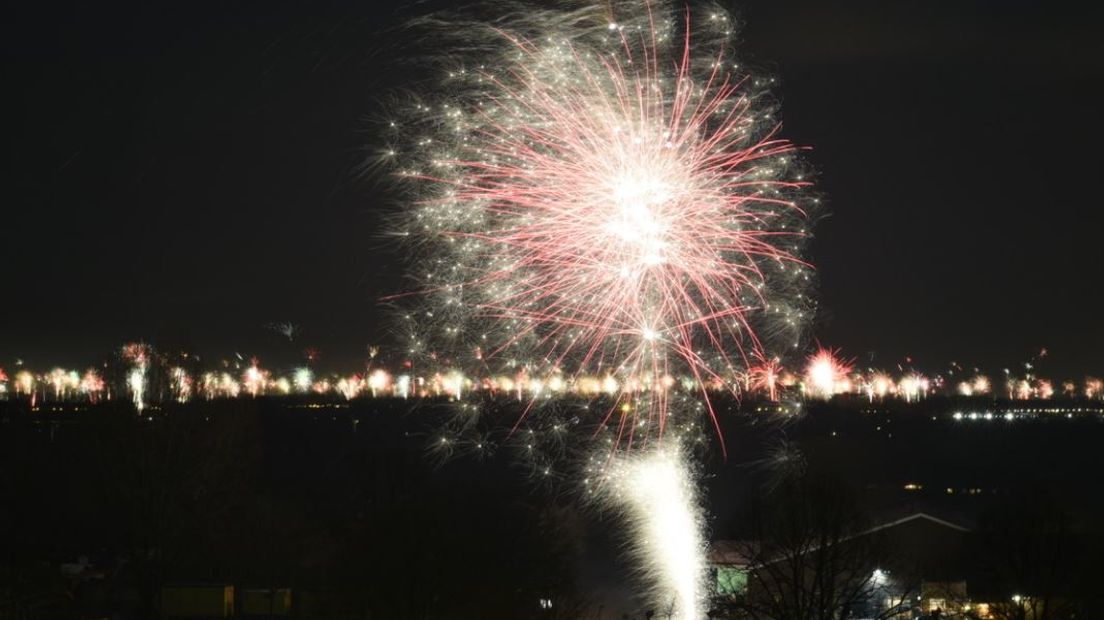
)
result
[(731, 581)]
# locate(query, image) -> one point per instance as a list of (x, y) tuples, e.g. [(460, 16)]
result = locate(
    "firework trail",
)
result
[(601, 190), (139, 356), (658, 493)]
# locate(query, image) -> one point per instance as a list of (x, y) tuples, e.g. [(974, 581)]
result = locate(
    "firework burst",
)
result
[(606, 193), (601, 191), (825, 374)]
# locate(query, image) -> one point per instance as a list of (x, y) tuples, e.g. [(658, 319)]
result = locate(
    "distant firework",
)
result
[(766, 377), (826, 374), (246, 378), (139, 356)]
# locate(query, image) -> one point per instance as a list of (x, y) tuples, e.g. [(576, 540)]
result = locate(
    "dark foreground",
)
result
[(337, 510)]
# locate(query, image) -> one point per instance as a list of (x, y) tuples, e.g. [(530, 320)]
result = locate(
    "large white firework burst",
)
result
[(600, 190)]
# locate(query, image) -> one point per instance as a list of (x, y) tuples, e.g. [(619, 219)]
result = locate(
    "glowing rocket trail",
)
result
[(658, 493)]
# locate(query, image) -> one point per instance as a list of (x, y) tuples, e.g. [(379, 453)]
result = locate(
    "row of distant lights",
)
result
[(989, 415)]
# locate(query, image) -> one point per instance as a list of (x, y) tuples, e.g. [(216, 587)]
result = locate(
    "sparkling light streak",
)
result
[(658, 492)]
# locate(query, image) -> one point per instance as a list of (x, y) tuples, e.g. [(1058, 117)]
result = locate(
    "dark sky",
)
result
[(182, 173)]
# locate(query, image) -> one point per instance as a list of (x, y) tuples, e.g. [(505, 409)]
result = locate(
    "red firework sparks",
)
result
[(765, 377), (617, 204)]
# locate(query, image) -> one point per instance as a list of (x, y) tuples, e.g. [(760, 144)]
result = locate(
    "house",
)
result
[(906, 564)]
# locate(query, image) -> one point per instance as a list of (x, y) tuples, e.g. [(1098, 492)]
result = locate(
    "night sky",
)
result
[(186, 174)]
